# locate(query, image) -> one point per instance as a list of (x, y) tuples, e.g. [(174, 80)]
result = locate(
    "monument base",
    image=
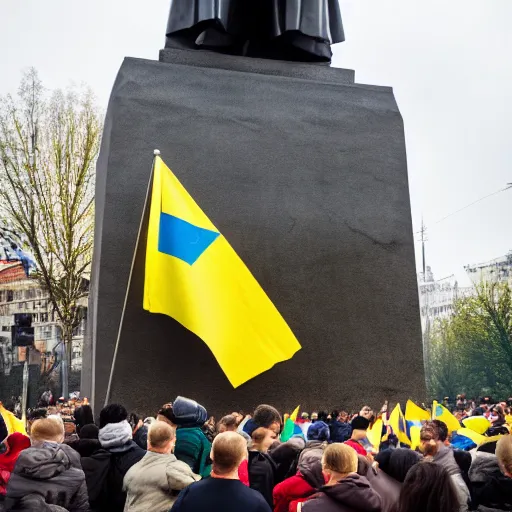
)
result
[(305, 173)]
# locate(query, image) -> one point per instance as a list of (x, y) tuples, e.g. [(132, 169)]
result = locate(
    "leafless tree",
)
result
[(48, 148)]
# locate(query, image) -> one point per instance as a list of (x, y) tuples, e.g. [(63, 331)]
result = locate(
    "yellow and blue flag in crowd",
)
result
[(194, 276), (440, 412), (415, 416), (399, 426)]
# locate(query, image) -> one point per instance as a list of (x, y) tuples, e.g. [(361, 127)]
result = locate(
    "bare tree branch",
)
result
[(48, 149)]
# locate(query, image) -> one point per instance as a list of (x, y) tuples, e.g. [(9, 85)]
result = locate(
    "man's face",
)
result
[(344, 417), (366, 412), (269, 439), (428, 442)]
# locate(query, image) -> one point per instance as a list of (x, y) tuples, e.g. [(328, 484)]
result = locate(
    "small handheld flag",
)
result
[(441, 413), (194, 276), (414, 412), (414, 416), (289, 426), (397, 423)]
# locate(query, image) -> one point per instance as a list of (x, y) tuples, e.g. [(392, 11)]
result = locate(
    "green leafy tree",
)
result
[(48, 148), (472, 351)]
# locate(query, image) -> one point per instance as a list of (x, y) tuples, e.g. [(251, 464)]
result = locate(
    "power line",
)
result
[(508, 187)]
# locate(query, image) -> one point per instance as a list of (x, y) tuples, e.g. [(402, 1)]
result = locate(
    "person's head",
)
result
[(428, 488), (238, 416), (228, 423), (83, 416), (442, 429), (90, 431), (229, 449), (366, 412), (499, 411), (338, 461), (344, 417), (112, 413), (314, 416), (305, 416), (268, 417), (397, 463), (318, 431), (161, 437), (430, 438), (504, 455), (166, 414), (360, 425), (262, 439), (322, 416), (35, 414), (47, 430)]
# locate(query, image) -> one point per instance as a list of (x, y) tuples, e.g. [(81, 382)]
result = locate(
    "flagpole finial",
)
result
[(156, 152)]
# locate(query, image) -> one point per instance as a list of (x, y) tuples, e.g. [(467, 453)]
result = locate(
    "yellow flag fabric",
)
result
[(194, 276), (12, 423), (294, 414), (415, 432), (440, 412), (397, 423), (478, 439), (478, 424), (374, 435), (414, 412)]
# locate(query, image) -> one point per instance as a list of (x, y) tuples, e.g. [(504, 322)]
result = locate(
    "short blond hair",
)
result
[(504, 452), (229, 449), (340, 458), (160, 434), (47, 429)]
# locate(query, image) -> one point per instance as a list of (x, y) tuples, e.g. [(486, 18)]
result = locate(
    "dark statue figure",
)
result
[(294, 30)]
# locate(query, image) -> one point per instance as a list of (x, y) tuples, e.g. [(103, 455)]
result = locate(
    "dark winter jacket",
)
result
[(35, 502), (262, 474), (52, 471), (85, 447), (105, 468), (141, 437), (307, 481), (340, 432), (286, 456), (491, 488), (352, 494), (387, 488)]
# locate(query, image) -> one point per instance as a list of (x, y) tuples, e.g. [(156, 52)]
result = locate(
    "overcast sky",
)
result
[(449, 62)]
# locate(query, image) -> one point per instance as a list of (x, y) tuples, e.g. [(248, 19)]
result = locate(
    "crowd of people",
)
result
[(181, 459)]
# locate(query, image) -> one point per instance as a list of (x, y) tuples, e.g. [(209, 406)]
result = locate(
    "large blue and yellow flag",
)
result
[(194, 276)]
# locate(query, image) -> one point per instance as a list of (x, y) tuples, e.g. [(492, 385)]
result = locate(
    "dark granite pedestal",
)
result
[(305, 174)]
